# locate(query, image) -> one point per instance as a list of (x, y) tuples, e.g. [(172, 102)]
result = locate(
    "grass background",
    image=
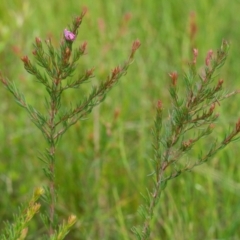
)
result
[(104, 161)]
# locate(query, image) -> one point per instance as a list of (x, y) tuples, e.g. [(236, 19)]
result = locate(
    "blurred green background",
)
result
[(103, 162)]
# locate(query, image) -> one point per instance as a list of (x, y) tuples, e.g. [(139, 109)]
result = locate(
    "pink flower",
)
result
[(69, 36)]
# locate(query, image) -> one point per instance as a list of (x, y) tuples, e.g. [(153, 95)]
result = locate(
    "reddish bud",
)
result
[(187, 144), (116, 71), (238, 126), (174, 77), (219, 85), (195, 54), (89, 72), (211, 126), (220, 82), (67, 51), (84, 11), (116, 113), (127, 16), (78, 20), (159, 105), (83, 47), (16, 50), (38, 42), (192, 26), (212, 108), (208, 57), (101, 25), (136, 44), (67, 55), (25, 60), (2, 79), (165, 165), (34, 52)]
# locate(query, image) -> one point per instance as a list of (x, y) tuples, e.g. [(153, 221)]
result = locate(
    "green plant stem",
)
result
[(155, 195), (52, 190), (55, 99)]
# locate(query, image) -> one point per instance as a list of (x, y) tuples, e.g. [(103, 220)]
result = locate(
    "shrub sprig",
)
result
[(191, 114), (54, 68)]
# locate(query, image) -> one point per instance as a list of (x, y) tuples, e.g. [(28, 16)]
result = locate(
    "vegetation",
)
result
[(104, 162)]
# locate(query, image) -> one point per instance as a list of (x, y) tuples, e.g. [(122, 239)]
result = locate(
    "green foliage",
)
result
[(190, 119), (58, 65), (101, 163), (19, 228)]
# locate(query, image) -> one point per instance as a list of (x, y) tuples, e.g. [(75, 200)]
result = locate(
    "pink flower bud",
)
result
[(69, 36), (25, 60), (195, 54), (38, 42), (83, 47), (159, 105), (174, 77), (208, 57), (116, 71), (136, 44)]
